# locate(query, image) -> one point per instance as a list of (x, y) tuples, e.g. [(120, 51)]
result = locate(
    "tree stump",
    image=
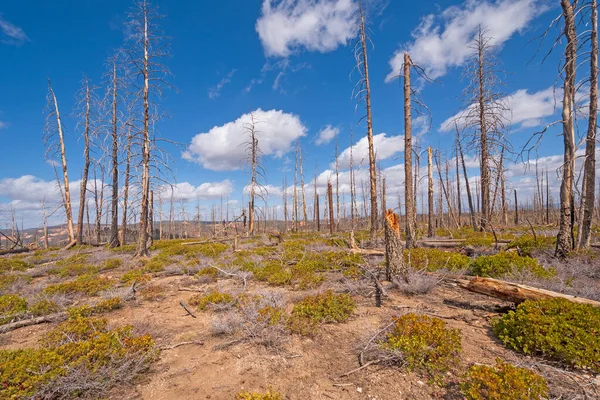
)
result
[(394, 259)]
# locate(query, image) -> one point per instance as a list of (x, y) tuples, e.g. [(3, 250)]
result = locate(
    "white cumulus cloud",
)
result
[(315, 25), (222, 147), (327, 134), (385, 147), (442, 41)]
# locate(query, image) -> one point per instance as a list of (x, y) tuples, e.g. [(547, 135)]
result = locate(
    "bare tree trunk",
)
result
[(337, 185), (352, 186), (394, 258), (458, 194), (467, 185), (126, 192), (302, 187), (142, 242), (254, 166), (285, 205), (295, 208), (409, 205), (516, 209), (151, 220), (86, 165), (564, 239), (63, 157), (589, 169), (330, 201), (113, 240), (372, 168), (485, 171), (430, 202), (548, 197), (45, 216)]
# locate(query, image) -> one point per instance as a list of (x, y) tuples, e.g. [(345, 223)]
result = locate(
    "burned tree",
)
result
[(146, 51), (256, 171), (55, 146), (484, 119), (363, 93)]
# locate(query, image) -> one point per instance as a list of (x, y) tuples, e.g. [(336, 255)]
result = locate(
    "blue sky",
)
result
[(290, 59)]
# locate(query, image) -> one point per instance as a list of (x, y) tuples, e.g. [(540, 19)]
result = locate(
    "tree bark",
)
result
[(589, 168), (330, 201), (63, 158), (394, 258), (430, 192), (86, 165), (564, 239), (113, 240), (372, 167), (408, 173)]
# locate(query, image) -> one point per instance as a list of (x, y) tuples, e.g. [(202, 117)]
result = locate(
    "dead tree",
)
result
[(394, 257), (409, 203), (364, 93), (337, 185), (467, 185), (147, 49), (113, 240), (302, 189), (123, 238), (564, 239), (55, 146), (430, 193), (589, 168), (85, 100), (484, 119), (256, 171), (330, 207)]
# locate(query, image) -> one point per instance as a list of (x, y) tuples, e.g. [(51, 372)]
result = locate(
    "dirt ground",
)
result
[(195, 364)]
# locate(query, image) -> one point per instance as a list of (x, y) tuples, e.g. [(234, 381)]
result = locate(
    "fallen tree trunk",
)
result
[(514, 292), (14, 251), (208, 241), (33, 321)]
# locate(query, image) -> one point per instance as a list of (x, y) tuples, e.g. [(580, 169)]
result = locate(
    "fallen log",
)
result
[(208, 241), (33, 321), (14, 251), (514, 292)]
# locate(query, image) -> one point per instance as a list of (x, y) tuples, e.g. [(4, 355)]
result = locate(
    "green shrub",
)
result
[(273, 272), (210, 272), (43, 307), (74, 265), (326, 307), (268, 395), (424, 344), (527, 244), (508, 263), (111, 263), (170, 248), (102, 307), (435, 259), (75, 345), (85, 284), (138, 275), (11, 306), (503, 382), (7, 280), (554, 328), (128, 248), (203, 301), (8, 264)]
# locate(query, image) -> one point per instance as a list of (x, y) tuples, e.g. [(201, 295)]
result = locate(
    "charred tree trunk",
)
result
[(430, 192), (589, 169), (113, 240), (564, 239), (408, 173), (394, 258), (330, 201)]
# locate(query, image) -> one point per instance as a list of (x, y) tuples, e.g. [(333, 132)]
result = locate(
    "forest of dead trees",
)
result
[(122, 197)]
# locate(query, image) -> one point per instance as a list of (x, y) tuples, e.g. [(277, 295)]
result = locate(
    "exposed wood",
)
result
[(185, 307), (516, 292), (330, 200), (14, 251), (409, 200), (33, 321), (394, 258)]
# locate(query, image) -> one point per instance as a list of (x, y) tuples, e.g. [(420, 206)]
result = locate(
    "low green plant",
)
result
[(327, 307), (43, 307), (203, 301), (11, 306), (434, 259), (77, 345), (527, 244), (268, 395), (8, 264), (89, 284), (102, 307), (138, 275), (503, 382), (424, 344), (127, 248), (555, 328), (111, 263), (507, 263)]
